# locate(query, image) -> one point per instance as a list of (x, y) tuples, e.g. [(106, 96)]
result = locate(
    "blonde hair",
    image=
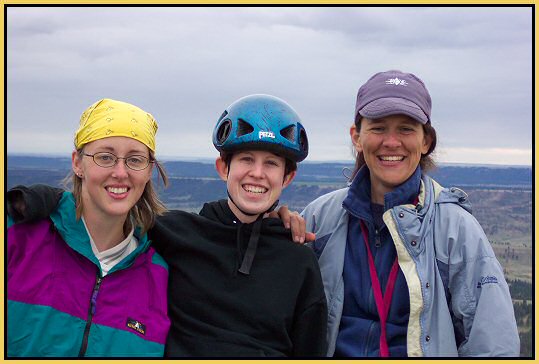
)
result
[(147, 208)]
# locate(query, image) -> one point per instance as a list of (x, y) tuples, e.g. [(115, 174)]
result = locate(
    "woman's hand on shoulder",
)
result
[(295, 222)]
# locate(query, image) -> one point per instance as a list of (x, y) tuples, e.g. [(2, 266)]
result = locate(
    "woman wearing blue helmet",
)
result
[(265, 126), (237, 285), (243, 288)]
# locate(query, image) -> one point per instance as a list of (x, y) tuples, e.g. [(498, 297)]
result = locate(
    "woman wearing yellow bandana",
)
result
[(85, 281)]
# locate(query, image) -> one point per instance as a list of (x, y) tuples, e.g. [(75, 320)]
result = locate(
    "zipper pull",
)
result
[(94, 294), (377, 242)]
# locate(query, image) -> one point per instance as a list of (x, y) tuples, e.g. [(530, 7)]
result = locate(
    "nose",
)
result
[(120, 169), (392, 140), (257, 170)]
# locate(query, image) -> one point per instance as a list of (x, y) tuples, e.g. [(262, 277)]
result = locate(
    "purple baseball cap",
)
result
[(394, 92)]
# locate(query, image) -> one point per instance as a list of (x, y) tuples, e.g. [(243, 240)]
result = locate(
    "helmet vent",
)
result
[(289, 133), (303, 142), (244, 128), (225, 113), (224, 131)]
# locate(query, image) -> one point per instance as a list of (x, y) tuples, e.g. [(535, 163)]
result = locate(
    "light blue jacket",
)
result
[(437, 241)]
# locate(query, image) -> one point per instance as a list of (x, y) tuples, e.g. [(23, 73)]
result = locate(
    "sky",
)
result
[(185, 65)]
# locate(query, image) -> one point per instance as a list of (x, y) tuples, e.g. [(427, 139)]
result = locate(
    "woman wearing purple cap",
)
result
[(407, 269)]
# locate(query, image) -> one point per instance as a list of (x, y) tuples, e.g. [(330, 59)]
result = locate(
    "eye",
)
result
[(136, 160), (273, 163), (246, 159), (407, 129), (104, 157)]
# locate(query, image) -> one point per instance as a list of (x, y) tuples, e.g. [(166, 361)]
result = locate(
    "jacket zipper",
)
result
[(91, 312), (377, 242), (369, 340)]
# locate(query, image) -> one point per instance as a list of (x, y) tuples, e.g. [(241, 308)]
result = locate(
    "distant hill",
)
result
[(519, 177), (193, 183), (26, 162)]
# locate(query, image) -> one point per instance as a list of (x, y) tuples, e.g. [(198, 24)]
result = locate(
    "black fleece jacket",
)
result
[(278, 309)]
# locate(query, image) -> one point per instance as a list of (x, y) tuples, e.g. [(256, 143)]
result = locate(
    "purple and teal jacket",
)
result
[(59, 305)]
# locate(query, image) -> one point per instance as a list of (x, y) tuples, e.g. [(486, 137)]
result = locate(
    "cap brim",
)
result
[(392, 106)]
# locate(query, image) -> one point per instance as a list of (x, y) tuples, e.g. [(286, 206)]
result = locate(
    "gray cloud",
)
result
[(186, 64)]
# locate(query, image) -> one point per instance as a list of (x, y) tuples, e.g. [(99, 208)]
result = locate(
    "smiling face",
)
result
[(255, 180), (392, 147), (110, 193)]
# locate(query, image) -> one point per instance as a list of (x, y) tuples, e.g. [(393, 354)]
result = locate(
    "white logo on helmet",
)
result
[(266, 134)]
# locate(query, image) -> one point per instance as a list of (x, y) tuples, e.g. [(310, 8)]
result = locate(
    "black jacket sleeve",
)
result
[(309, 333), (32, 203)]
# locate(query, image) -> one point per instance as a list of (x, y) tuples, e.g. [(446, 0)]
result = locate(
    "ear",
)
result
[(221, 168), (356, 140), (149, 171), (427, 141), (76, 163), (289, 178)]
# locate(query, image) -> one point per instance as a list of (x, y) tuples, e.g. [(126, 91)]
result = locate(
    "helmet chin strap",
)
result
[(272, 207), (250, 252)]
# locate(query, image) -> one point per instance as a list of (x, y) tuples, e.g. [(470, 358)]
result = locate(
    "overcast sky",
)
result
[(185, 65)]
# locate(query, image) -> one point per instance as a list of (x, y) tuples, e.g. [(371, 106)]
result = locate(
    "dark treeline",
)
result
[(522, 294), (520, 290)]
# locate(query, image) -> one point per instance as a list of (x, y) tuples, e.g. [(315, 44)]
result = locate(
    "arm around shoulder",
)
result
[(32, 203)]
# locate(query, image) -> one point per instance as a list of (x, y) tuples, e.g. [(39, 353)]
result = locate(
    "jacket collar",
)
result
[(75, 235), (358, 200), (219, 211)]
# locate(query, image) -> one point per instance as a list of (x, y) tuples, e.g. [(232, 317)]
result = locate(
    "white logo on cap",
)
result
[(396, 81)]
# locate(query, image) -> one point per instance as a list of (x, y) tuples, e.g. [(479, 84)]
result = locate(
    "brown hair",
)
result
[(147, 208), (426, 162)]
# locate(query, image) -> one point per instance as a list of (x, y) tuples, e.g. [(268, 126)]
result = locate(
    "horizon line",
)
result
[(169, 158)]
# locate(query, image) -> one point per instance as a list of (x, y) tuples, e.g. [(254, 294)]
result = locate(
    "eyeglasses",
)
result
[(108, 160)]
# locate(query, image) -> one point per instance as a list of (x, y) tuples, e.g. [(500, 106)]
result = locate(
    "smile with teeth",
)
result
[(391, 158), (117, 190), (254, 189)]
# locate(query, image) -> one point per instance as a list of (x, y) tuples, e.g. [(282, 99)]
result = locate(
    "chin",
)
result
[(118, 211), (394, 180), (254, 208)]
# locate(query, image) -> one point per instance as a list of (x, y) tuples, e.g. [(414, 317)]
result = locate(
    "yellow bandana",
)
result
[(109, 118)]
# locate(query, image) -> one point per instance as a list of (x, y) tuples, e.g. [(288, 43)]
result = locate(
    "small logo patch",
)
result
[(137, 326), (266, 134), (487, 280), (396, 81)]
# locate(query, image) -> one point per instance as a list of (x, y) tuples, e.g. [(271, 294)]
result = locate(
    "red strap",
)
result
[(382, 302)]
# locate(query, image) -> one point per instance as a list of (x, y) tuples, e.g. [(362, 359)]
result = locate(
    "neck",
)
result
[(246, 219), (105, 232), (377, 194)]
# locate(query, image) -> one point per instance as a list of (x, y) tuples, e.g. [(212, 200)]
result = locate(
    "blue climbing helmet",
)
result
[(261, 122)]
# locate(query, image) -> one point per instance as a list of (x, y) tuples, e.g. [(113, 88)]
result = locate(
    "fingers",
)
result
[(292, 220), (284, 214), (297, 227), (310, 237), (273, 215)]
